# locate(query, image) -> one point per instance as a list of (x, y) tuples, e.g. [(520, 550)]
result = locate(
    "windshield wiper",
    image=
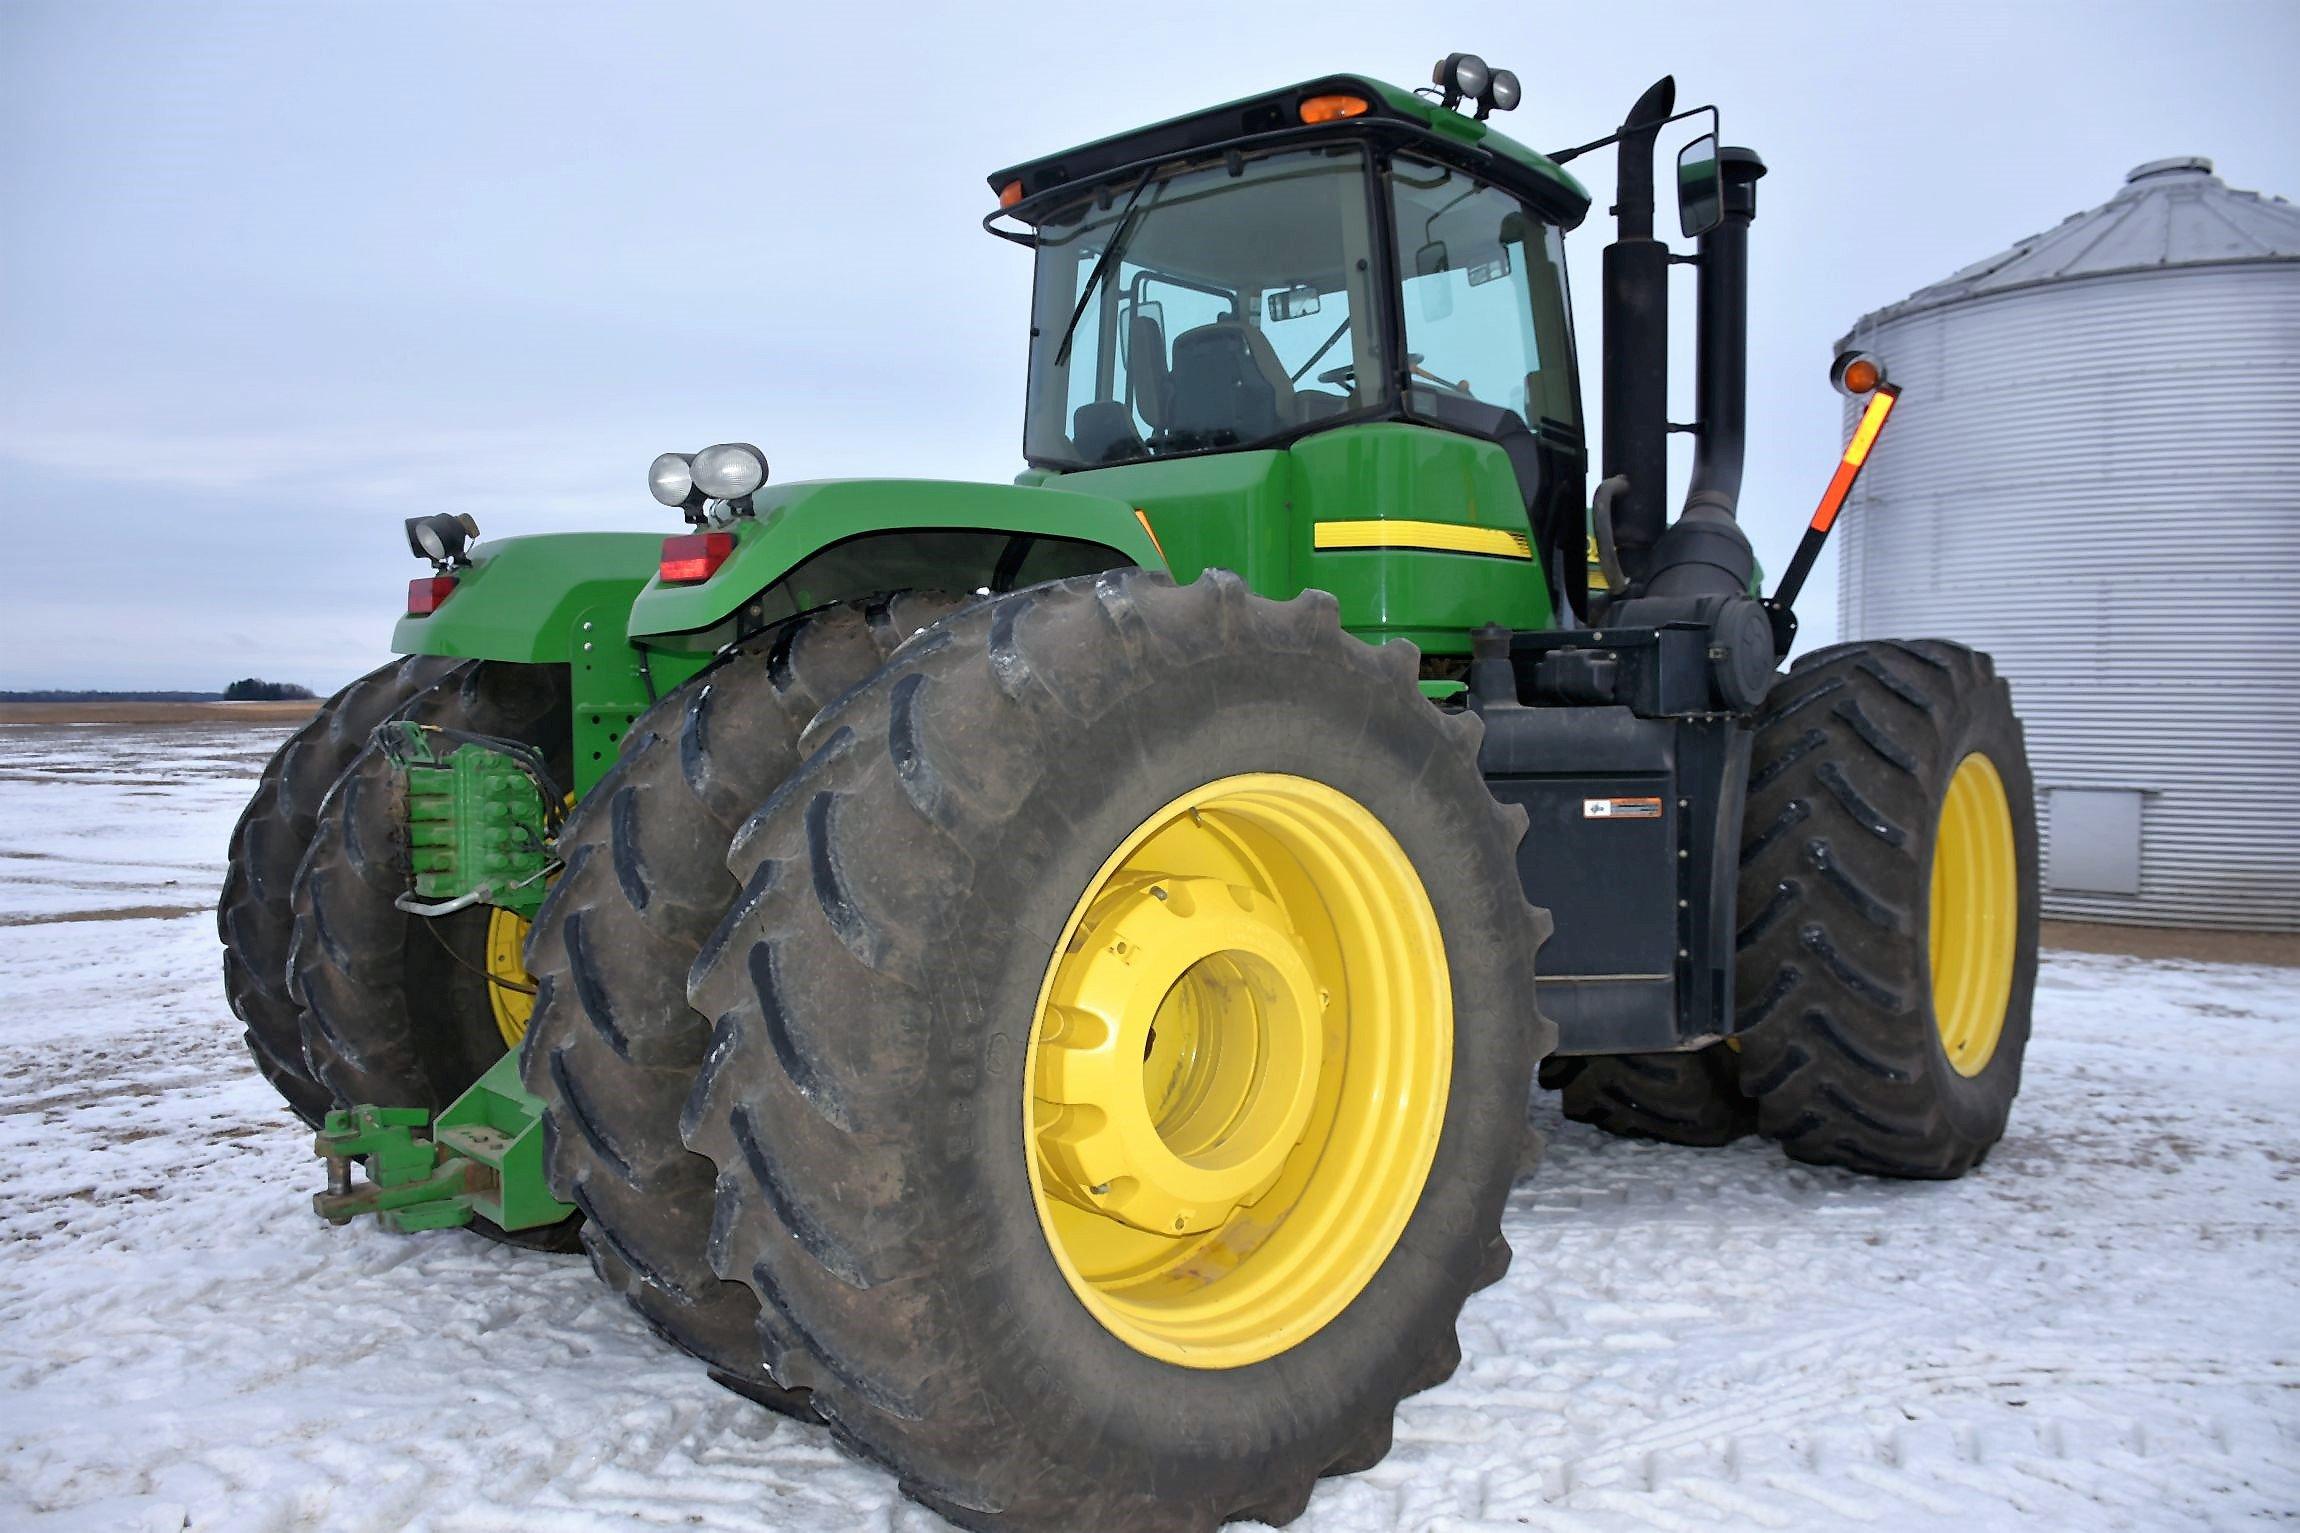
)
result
[(1321, 351), (1102, 265)]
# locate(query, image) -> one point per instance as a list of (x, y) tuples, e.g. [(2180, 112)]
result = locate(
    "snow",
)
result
[(2099, 1329)]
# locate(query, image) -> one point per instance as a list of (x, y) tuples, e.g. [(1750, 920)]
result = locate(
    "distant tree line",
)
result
[(251, 689)]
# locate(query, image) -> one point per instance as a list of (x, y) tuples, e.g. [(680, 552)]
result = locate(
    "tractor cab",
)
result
[(1332, 255), (1246, 307)]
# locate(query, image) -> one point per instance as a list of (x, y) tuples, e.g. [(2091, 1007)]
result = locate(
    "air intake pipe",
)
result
[(1721, 380), (1705, 552)]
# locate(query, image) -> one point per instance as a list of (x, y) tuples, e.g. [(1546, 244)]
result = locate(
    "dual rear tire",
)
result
[(614, 1046), (1046, 890), (347, 998)]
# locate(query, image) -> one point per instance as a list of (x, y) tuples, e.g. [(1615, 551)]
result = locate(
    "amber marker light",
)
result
[(1010, 194), (1856, 373), (1334, 108)]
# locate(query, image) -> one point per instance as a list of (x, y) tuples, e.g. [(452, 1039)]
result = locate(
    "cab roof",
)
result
[(1393, 113)]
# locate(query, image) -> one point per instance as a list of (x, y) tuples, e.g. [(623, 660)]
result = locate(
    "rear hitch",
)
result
[(481, 1158)]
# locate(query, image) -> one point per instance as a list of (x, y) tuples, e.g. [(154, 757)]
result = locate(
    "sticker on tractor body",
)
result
[(1621, 809)]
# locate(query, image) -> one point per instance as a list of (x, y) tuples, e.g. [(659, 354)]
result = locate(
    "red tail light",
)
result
[(695, 556), (424, 595)]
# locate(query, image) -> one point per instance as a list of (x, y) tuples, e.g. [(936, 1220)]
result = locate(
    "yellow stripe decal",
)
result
[(1436, 537)]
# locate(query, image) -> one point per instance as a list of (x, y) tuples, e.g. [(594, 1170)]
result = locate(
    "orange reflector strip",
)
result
[(1334, 108), (1143, 517), (1010, 194), (1856, 454)]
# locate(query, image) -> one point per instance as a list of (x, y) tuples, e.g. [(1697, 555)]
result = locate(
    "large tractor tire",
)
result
[(613, 1048), (1692, 1098), (1888, 909), (402, 1010), (1121, 1052), (268, 845)]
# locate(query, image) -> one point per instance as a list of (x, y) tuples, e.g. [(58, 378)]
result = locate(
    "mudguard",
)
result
[(807, 545), (521, 598)]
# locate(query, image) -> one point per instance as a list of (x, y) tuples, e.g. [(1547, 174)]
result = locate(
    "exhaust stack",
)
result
[(1636, 443)]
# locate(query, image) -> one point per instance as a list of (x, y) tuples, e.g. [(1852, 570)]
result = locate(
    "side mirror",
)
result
[(1700, 187), (1296, 302), (1437, 297)]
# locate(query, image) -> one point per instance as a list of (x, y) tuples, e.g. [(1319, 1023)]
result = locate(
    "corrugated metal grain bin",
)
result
[(2094, 474)]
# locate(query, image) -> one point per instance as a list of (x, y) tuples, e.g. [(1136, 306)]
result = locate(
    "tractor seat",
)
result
[(1226, 385)]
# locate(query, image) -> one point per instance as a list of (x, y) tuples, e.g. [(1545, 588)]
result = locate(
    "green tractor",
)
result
[(1047, 978)]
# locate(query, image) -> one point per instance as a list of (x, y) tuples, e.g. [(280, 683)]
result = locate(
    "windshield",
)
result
[(1236, 309)]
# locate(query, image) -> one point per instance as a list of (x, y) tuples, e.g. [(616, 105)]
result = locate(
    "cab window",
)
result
[(1482, 290)]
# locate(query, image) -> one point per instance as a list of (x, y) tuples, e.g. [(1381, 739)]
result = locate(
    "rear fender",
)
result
[(808, 545), (521, 598)]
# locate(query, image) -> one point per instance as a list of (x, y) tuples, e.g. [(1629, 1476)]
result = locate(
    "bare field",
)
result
[(267, 715), (2098, 1329)]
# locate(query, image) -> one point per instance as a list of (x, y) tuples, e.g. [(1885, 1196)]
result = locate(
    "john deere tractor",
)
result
[(1047, 978)]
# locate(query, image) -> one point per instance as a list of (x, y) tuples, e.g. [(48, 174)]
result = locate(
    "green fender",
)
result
[(806, 545), (521, 598)]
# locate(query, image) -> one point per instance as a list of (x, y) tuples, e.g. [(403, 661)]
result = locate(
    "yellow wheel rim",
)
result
[(506, 968), (1238, 1071), (1975, 914)]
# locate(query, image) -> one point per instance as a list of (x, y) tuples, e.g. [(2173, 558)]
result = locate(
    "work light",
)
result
[(670, 479), (729, 471), (1504, 93), (1459, 75), (441, 538)]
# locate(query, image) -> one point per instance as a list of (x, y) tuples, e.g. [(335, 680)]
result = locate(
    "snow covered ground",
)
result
[(2101, 1329)]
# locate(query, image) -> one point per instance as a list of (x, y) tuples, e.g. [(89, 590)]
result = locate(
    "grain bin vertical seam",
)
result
[(2094, 475)]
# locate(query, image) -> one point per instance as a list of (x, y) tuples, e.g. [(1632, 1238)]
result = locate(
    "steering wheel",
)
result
[(1346, 376)]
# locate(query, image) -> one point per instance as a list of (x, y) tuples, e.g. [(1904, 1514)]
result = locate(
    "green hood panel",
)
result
[(841, 538), (521, 597), (1418, 533)]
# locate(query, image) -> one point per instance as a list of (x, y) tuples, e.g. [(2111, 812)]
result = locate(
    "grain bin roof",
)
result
[(2172, 212)]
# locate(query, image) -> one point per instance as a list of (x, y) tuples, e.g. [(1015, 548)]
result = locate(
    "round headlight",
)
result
[(669, 479), (1506, 91), (730, 470), (1470, 75)]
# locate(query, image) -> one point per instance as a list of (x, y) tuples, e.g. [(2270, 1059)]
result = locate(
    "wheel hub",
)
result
[(1184, 1053)]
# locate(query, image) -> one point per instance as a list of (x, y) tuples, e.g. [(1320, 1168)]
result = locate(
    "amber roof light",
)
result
[(1334, 108)]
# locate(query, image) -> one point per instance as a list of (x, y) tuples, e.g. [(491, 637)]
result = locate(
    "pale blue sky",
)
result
[(274, 276)]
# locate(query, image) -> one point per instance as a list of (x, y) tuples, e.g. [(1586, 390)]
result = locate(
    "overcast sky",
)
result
[(273, 277)]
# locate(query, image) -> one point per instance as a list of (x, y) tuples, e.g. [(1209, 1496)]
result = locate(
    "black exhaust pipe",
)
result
[(1637, 339)]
